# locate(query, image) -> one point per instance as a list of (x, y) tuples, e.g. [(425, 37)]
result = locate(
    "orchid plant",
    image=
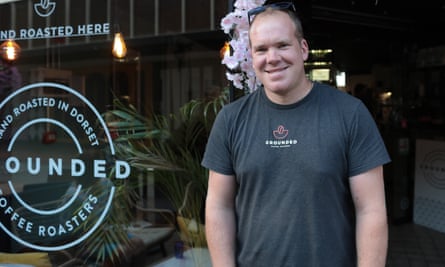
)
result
[(239, 62)]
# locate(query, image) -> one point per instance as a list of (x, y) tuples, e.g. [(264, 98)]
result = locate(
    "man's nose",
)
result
[(273, 55)]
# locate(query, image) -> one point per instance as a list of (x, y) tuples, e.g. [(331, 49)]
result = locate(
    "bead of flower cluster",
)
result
[(239, 61)]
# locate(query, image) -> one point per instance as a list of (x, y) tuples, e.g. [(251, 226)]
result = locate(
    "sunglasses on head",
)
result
[(279, 6)]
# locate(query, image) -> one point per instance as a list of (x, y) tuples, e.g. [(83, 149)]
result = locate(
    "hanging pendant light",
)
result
[(119, 47), (225, 50), (10, 50)]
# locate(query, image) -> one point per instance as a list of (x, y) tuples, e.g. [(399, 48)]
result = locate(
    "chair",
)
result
[(155, 228)]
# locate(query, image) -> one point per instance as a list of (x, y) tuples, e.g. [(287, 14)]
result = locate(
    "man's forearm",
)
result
[(220, 232), (372, 240)]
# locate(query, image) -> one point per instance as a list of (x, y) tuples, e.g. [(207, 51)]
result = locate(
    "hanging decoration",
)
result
[(239, 61)]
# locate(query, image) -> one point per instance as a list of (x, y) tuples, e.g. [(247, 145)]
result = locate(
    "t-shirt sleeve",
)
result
[(366, 147), (217, 156)]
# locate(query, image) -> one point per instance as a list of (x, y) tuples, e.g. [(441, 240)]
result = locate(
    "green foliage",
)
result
[(107, 242), (171, 145)]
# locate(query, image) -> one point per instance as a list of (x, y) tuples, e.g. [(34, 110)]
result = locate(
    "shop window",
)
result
[(65, 78)]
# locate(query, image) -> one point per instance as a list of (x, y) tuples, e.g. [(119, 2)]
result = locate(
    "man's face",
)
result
[(278, 55)]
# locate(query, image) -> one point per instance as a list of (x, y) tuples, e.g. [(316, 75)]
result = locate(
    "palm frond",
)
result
[(171, 145)]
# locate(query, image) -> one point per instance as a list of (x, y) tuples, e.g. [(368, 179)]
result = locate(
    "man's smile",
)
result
[(271, 71)]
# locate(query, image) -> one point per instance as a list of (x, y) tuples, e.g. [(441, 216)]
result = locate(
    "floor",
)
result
[(158, 257), (410, 245), (413, 245)]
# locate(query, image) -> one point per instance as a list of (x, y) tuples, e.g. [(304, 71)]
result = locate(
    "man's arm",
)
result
[(368, 194), (220, 219)]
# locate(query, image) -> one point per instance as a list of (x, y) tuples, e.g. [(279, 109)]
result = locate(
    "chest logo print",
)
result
[(280, 132)]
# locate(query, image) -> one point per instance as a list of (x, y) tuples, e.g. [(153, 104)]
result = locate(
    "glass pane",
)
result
[(61, 167), (5, 21), (221, 10), (121, 15), (21, 21), (144, 18), (198, 22), (98, 15), (77, 17), (169, 16)]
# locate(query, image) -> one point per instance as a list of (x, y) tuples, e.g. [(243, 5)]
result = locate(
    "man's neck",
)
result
[(292, 96)]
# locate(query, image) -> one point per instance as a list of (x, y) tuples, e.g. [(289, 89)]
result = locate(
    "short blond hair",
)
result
[(299, 33)]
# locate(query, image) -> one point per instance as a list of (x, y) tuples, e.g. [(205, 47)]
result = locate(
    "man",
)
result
[(295, 168)]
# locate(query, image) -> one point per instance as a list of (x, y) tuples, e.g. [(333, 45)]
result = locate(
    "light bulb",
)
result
[(10, 50), (225, 50), (119, 47)]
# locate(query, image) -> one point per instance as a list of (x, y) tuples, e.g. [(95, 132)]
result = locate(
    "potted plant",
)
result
[(172, 145)]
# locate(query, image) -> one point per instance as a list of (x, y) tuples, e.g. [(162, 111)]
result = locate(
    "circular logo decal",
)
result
[(57, 165), (433, 169)]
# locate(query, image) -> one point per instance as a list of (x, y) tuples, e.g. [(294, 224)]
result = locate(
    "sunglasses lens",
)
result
[(255, 11), (280, 6)]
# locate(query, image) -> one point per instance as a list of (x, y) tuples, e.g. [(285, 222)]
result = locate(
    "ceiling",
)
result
[(367, 32), (363, 33), (388, 16)]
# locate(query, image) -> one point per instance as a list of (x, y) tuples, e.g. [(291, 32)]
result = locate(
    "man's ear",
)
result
[(304, 49)]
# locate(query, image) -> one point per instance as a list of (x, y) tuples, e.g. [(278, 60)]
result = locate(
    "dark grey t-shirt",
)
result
[(292, 164)]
